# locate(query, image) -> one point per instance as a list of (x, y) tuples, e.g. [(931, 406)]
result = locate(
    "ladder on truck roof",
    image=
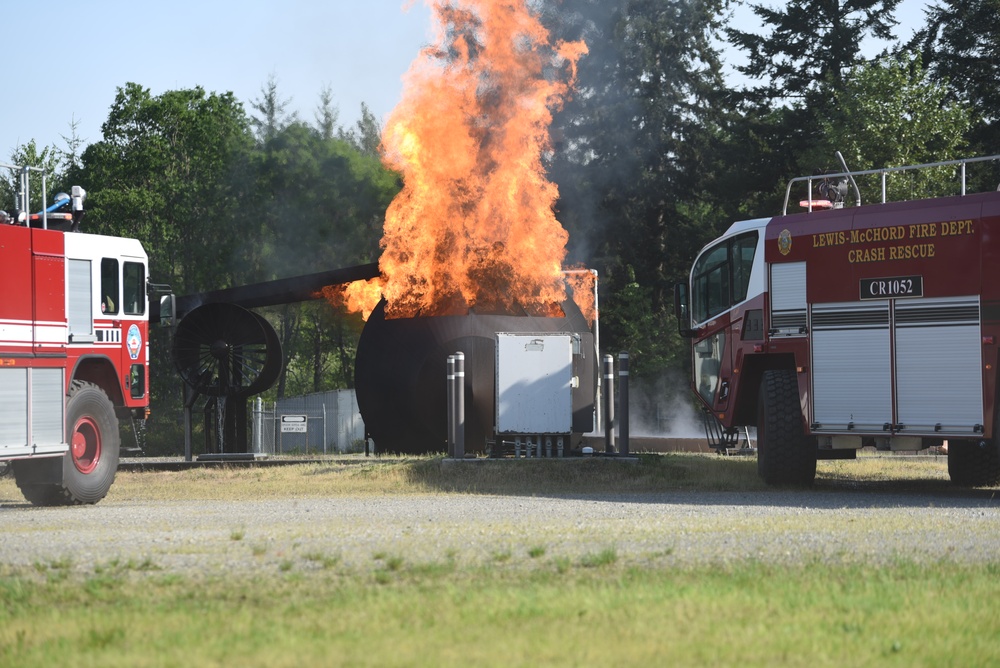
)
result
[(883, 172)]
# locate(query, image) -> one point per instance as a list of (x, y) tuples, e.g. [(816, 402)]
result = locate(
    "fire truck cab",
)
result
[(844, 327), (74, 333)]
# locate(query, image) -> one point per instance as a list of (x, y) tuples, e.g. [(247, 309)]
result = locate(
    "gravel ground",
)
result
[(673, 529)]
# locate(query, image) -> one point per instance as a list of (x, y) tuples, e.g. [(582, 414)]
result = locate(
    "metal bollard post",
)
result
[(451, 404), (459, 406), (623, 401), (609, 404)]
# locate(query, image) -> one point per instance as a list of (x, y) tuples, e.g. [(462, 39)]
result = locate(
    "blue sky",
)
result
[(64, 60), (76, 54)]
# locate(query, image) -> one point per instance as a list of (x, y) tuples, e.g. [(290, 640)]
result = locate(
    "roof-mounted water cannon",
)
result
[(65, 212), (833, 190), (827, 192)]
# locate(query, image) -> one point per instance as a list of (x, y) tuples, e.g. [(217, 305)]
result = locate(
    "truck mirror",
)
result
[(682, 310), (168, 310)]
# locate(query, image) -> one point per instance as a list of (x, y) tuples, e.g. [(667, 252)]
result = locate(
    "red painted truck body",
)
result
[(74, 333), (884, 319)]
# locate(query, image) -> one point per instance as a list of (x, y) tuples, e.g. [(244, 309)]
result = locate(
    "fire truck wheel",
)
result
[(92, 433), (38, 494), (785, 455), (974, 463)]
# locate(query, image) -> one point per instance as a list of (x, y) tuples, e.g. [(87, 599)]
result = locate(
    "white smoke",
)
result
[(663, 408)]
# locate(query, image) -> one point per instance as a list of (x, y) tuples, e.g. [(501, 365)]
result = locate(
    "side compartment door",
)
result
[(789, 311), (48, 294), (938, 366), (851, 364)]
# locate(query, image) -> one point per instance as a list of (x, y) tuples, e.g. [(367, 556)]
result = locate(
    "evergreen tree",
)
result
[(327, 114), (801, 58), (808, 45), (634, 157), (366, 135), (272, 111), (960, 45)]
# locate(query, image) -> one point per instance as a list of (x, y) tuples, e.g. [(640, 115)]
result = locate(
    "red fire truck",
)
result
[(841, 327), (74, 333)]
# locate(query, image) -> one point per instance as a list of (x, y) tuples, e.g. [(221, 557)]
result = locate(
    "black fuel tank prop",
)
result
[(400, 375)]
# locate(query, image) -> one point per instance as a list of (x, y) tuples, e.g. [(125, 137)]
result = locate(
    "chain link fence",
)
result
[(321, 423)]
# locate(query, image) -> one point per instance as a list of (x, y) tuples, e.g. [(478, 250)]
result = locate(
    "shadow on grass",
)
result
[(714, 479)]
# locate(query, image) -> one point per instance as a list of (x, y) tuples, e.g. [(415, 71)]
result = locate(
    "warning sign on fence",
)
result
[(294, 424)]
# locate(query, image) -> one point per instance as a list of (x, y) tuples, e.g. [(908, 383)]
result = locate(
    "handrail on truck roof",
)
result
[(24, 205), (883, 171)]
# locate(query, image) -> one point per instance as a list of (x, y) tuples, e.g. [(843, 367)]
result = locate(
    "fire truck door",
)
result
[(711, 362), (720, 281)]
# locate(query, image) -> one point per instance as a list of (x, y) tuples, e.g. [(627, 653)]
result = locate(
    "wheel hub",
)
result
[(85, 446)]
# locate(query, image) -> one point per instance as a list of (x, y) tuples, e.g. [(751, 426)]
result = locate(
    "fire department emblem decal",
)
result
[(133, 342), (785, 242)]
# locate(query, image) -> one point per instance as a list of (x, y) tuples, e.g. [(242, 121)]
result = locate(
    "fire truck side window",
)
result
[(109, 286), (133, 281), (743, 250), (137, 381), (721, 276)]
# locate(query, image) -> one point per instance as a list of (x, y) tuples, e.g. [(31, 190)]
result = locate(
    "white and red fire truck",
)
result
[(842, 327), (74, 337)]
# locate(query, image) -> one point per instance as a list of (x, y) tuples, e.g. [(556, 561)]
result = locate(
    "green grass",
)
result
[(749, 614), (527, 604)]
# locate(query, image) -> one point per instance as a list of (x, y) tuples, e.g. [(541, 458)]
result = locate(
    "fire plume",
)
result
[(474, 225)]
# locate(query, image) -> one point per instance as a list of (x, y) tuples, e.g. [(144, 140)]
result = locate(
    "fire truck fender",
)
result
[(99, 370), (976, 463), (85, 473), (751, 373)]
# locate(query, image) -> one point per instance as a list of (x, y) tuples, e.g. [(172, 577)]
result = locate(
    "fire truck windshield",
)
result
[(721, 276)]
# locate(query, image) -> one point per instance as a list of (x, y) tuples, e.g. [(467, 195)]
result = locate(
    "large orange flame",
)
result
[(474, 225)]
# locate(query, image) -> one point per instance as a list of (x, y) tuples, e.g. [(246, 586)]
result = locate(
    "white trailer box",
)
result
[(534, 376)]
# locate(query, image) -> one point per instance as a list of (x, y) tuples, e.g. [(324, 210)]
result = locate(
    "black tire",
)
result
[(38, 494), (785, 455), (974, 463), (89, 468)]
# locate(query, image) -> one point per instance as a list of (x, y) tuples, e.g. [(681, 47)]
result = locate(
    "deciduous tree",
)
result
[(891, 113)]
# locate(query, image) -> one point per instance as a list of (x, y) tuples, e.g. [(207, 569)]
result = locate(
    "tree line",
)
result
[(656, 153)]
